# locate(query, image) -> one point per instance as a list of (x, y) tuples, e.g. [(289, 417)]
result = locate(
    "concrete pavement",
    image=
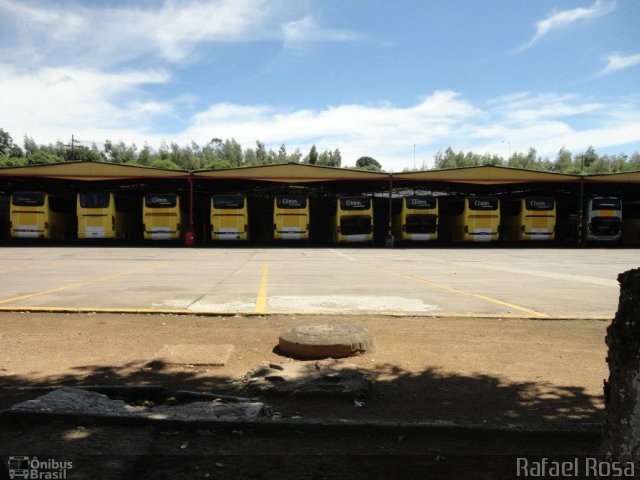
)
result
[(477, 281)]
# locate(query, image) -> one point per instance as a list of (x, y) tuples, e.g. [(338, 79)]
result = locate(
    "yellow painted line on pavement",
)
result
[(463, 292), (80, 284), (261, 300)]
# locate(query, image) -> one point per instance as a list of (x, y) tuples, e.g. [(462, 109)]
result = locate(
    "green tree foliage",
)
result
[(564, 162), (8, 148), (368, 163), (261, 154), (312, 157), (228, 153)]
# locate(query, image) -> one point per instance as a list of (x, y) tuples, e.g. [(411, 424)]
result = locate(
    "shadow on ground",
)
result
[(153, 452), (395, 394)]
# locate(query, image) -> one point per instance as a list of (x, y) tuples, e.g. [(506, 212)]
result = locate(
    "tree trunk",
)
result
[(621, 439)]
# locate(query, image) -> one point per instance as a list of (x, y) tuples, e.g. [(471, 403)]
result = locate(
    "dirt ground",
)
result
[(483, 371)]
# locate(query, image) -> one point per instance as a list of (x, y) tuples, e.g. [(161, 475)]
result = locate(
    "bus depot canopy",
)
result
[(90, 171), (292, 173), (621, 177), (485, 175)]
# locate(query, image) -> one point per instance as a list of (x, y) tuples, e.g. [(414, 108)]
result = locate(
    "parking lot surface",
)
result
[(478, 281)]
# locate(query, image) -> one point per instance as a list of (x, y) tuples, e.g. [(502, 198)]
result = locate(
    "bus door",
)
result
[(229, 219), (291, 217)]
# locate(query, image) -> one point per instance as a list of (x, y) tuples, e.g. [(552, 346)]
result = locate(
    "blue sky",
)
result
[(369, 77)]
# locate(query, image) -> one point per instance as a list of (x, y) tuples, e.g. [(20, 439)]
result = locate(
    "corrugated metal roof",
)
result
[(291, 173), (486, 175), (90, 171), (303, 173), (621, 177)]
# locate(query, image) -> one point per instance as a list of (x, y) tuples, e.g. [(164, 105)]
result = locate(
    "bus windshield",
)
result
[(28, 199), (228, 202), (355, 203), (94, 199), (425, 203), (606, 204), (291, 202), (483, 203), (539, 203), (161, 201)]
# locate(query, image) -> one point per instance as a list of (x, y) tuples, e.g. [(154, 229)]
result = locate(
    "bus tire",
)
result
[(317, 341)]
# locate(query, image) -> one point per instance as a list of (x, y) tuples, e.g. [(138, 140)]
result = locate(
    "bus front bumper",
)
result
[(290, 235), (95, 232)]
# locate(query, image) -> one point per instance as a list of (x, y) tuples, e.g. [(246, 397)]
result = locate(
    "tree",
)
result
[(451, 159), (160, 163), (323, 159), (232, 152), (295, 156), (5, 143), (281, 157), (633, 162), (587, 158), (144, 158), (336, 158), (368, 163), (250, 157), (564, 162), (30, 146), (261, 154), (312, 157)]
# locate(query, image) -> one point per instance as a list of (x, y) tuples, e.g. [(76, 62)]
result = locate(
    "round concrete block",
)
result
[(324, 341)]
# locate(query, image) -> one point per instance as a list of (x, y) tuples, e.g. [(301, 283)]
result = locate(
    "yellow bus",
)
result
[(416, 218), (291, 217), (162, 216), (469, 219), (631, 223), (103, 214), (353, 220), (41, 215), (229, 217), (528, 218)]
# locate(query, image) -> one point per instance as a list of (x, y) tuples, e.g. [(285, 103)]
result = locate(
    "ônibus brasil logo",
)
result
[(33, 468)]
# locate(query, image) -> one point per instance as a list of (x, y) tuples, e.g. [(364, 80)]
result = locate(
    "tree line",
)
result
[(588, 161), (228, 153)]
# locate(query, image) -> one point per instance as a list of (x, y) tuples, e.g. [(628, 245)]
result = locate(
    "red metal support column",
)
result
[(189, 237)]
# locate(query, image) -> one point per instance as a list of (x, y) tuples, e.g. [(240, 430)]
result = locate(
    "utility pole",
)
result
[(73, 144), (414, 156)]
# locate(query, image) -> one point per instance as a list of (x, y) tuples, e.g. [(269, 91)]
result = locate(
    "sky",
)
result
[(395, 80)]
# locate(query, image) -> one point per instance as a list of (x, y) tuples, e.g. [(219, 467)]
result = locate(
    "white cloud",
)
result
[(524, 107), (171, 31), (565, 18), (53, 103), (387, 132), (306, 29), (382, 130), (617, 62)]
